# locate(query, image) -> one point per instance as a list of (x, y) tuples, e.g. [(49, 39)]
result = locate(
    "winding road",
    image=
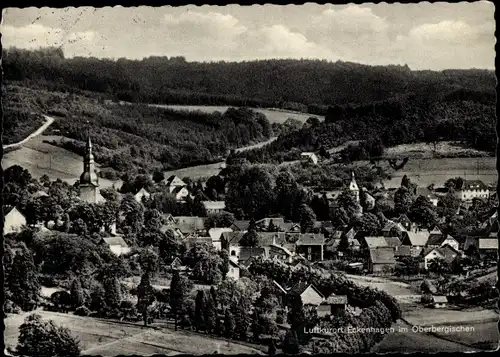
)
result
[(40, 130)]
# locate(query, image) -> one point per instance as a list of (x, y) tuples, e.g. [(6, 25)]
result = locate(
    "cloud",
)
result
[(34, 36), (448, 31), (217, 36), (278, 41)]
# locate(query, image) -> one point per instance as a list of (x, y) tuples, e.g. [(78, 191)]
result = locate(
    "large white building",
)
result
[(473, 189)]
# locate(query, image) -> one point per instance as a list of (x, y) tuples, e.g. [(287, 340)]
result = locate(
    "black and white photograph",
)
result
[(259, 180)]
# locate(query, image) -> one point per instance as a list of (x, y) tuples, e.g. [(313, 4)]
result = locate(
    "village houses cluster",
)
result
[(378, 254)]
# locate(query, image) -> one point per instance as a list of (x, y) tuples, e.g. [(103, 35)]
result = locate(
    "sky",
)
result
[(423, 36)]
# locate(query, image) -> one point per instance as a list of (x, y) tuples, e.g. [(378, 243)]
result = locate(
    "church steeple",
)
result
[(353, 187), (88, 176)]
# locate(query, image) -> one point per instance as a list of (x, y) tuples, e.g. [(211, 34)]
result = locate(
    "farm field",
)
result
[(108, 338), (424, 172), (428, 316), (45, 159), (274, 116), (408, 342), (424, 150)]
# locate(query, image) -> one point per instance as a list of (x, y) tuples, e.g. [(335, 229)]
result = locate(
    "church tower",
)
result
[(353, 187), (89, 183)]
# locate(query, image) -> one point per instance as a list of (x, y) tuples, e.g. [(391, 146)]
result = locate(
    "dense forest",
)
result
[(137, 137), (460, 115), (305, 85)]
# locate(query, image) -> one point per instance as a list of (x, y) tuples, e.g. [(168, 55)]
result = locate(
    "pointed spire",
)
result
[(352, 174)]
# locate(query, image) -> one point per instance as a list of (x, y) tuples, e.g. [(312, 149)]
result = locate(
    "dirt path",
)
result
[(40, 130)]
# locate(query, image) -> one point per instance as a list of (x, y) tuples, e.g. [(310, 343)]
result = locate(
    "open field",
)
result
[(45, 159), (108, 338), (428, 316), (412, 342), (428, 151), (436, 171), (393, 288), (274, 116)]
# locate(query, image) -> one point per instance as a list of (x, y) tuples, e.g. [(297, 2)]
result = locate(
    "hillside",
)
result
[(138, 137), (305, 85), (464, 116)]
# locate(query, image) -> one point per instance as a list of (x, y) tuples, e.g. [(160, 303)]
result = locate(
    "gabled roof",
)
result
[(311, 239), (174, 181), (474, 185), (232, 237), (115, 241), (440, 299), (214, 204), (277, 221), (187, 224), (382, 255), (178, 189), (488, 243), (11, 209), (403, 218), (393, 225), (39, 193), (299, 288), (418, 238), (435, 230), (435, 239), (250, 252), (215, 233), (190, 241), (403, 251), (393, 242), (142, 191), (375, 242), (282, 249), (240, 225), (336, 300), (424, 191)]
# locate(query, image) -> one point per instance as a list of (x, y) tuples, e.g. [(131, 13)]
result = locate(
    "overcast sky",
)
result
[(424, 36)]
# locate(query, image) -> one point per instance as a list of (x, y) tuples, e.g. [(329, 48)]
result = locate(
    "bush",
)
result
[(82, 311), (44, 338), (426, 299)]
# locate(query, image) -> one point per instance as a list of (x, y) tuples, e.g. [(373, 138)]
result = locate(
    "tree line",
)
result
[(304, 85)]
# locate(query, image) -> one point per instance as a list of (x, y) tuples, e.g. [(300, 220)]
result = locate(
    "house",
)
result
[(141, 194), (247, 253), (14, 220), (280, 253), (488, 245), (440, 240), (230, 241), (240, 226), (174, 181), (332, 305), (189, 224), (309, 294), (117, 245), (425, 192), (177, 265), (472, 189), (446, 253), (309, 157), (369, 199), (215, 234), (311, 246), (381, 260), (374, 242), (470, 245), (392, 227), (416, 240), (234, 270), (406, 222), (192, 240), (214, 207), (168, 219), (180, 192), (439, 301)]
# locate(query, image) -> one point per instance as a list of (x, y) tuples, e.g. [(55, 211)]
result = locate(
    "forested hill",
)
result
[(305, 85), (460, 115)]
